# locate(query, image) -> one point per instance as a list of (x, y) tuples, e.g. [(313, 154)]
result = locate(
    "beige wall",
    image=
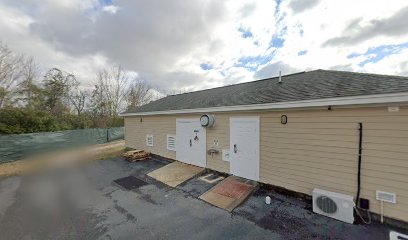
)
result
[(316, 149)]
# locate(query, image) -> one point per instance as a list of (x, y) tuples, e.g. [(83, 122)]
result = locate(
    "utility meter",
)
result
[(207, 120)]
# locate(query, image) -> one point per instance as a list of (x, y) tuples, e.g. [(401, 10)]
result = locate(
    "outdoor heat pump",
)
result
[(334, 205)]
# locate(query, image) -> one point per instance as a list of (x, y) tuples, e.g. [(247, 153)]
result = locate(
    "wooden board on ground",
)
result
[(136, 155), (229, 193), (175, 173)]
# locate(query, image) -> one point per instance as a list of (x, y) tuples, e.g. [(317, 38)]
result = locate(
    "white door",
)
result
[(244, 147), (191, 142)]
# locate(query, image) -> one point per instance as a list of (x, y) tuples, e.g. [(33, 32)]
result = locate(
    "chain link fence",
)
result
[(17, 146)]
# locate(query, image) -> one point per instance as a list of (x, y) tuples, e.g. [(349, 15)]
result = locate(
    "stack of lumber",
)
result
[(136, 155)]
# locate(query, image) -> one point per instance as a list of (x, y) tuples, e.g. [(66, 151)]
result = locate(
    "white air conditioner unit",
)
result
[(334, 205), (397, 236)]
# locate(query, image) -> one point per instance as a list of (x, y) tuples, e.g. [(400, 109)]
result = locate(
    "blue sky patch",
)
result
[(206, 66), (277, 42), (105, 2), (245, 32), (375, 54), (353, 55), (300, 53), (277, 9), (252, 63)]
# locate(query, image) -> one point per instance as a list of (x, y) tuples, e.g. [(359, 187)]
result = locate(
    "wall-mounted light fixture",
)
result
[(284, 119), (329, 108), (141, 119)]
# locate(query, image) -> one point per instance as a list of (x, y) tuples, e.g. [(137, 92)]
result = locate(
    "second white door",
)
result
[(244, 147)]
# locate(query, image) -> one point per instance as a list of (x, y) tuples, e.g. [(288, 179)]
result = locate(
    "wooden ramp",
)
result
[(175, 173), (229, 193)]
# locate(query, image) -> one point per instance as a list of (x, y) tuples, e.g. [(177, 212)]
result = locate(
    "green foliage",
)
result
[(3, 92), (56, 89), (116, 122), (49, 106), (16, 121), (13, 120)]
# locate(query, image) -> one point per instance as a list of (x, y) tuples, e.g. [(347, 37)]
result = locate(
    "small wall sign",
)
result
[(393, 109), (226, 155), (196, 135)]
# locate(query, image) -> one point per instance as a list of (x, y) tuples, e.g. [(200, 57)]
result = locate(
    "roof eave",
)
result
[(340, 101)]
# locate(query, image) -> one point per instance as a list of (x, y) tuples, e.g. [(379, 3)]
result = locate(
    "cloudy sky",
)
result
[(192, 45)]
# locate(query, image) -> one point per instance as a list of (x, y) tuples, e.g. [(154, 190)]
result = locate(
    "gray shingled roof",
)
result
[(317, 84)]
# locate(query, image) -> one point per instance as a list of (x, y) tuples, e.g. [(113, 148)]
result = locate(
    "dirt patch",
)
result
[(291, 227), (54, 159), (284, 191), (279, 220)]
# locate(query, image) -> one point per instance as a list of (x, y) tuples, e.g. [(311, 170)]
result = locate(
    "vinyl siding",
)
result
[(136, 131), (316, 149)]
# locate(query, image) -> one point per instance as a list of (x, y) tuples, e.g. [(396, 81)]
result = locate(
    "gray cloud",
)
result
[(151, 36), (145, 36), (248, 10), (344, 67), (272, 70), (354, 33), (299, 6), (175, 80), (403, 69)]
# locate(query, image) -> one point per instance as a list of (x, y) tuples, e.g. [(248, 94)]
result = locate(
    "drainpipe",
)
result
[(360, 143), (360, 149)]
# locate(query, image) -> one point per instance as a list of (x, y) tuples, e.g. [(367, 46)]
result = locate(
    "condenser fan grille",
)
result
[(326, 204)]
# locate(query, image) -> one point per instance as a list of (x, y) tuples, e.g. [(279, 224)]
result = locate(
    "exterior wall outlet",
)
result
[(364, 204)]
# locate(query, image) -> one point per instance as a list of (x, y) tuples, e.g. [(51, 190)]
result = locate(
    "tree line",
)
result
[(55, 100)]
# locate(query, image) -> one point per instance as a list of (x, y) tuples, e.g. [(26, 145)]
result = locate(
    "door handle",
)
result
[(191, 143), (235, 148)]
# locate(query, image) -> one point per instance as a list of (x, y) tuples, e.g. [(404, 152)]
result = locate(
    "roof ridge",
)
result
[(236, 84), (363, 73), (314, 84)]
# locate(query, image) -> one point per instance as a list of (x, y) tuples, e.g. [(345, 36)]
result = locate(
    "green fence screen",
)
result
[(18, 146)]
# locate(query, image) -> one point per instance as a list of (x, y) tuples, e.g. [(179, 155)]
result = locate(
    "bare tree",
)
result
[(99, 105), (113, 84), (10, 73), (27, 90), (77, 97), (139, 94)]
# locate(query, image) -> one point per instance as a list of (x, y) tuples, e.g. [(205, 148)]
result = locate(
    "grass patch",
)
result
[(111, 153)]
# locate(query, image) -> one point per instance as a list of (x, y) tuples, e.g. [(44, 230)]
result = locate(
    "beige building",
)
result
[(298, 132)]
